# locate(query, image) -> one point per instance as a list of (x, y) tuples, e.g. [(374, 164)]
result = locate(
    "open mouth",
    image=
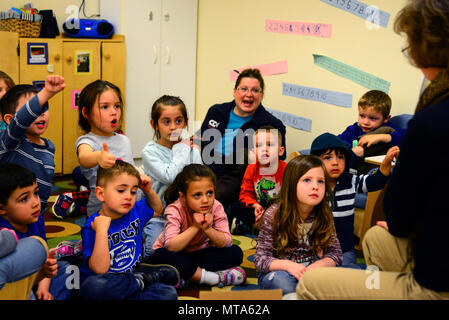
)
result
[(114, 122), (36, 213), (40, 124)]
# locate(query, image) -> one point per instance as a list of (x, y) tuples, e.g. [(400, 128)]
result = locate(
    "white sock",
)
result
[(209, 277)]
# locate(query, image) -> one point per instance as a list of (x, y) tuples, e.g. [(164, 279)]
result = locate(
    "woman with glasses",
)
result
[(407, 255), (227, 130)]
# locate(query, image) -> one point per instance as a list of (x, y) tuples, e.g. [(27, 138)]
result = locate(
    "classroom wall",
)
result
[(231, 34)]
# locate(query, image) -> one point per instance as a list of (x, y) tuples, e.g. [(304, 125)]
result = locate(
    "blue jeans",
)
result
[(278, 279), (58, 286), (350, 260), (25, 260), (151, 232), (123, 286)]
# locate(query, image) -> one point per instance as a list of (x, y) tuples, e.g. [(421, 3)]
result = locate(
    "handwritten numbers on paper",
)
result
[(373, 15), (301, 28)]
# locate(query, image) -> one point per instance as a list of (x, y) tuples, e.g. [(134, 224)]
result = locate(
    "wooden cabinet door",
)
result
[(49, 52), (9, 63), (81, 66), (113, 68)]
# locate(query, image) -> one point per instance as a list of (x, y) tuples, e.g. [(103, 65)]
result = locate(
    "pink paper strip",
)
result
[(296, 27), (265, 69)]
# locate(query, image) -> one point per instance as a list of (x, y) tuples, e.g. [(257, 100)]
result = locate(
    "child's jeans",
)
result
[(28, 257), (350, 260), (278, 279), (123, 286), (151, 231)]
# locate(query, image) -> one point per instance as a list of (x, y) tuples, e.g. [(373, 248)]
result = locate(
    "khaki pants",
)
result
[(384, 279)]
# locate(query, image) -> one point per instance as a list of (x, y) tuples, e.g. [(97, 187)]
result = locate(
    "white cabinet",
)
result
[(161, 41)]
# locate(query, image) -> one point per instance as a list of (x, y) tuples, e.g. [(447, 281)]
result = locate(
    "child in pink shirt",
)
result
[(196, 238)]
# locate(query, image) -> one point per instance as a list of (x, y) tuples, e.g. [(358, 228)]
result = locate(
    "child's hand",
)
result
[(50, 267), (370, 139), (258, 211), (358, 150), (296, 269), (203, 220), (101, 224), (54, 84), (42, 294), (386, 165), (105, 159), (145, 183)]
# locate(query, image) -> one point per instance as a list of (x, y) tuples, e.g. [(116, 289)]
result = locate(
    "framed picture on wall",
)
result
[(83, 63), (37, 53)]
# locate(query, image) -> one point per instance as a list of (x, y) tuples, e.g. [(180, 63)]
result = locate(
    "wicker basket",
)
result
[(25, 28)]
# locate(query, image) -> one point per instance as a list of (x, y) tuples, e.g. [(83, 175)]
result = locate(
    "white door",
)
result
[(142, 21), (160, 38)]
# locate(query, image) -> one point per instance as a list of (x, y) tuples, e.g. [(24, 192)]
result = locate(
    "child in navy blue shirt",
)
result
[(112, 240), (372, 134), (20, 209)]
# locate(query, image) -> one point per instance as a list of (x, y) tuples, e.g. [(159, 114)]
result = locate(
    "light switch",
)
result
[(51, 68)]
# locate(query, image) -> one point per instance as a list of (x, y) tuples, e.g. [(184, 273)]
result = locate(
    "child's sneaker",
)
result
[(182, 284), (68, 248), (162, 273), (231, 276), (62, 206), (239, 228)]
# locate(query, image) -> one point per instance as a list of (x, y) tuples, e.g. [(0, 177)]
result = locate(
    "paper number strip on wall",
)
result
[(362, 10), (296, 27), (326, 96), (292, 120), (343, 70)]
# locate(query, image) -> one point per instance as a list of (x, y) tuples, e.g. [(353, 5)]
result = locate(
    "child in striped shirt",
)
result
[(25, 111), (336, 155)]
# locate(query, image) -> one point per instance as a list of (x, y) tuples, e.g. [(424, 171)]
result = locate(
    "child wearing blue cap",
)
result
[(336, 155)]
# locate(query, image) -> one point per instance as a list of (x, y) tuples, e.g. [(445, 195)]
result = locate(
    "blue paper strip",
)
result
[(362, 10), (292, 120), (331, 97)]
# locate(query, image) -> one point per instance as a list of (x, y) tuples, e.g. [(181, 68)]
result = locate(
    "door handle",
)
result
[(167, 61), (154, 54)]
